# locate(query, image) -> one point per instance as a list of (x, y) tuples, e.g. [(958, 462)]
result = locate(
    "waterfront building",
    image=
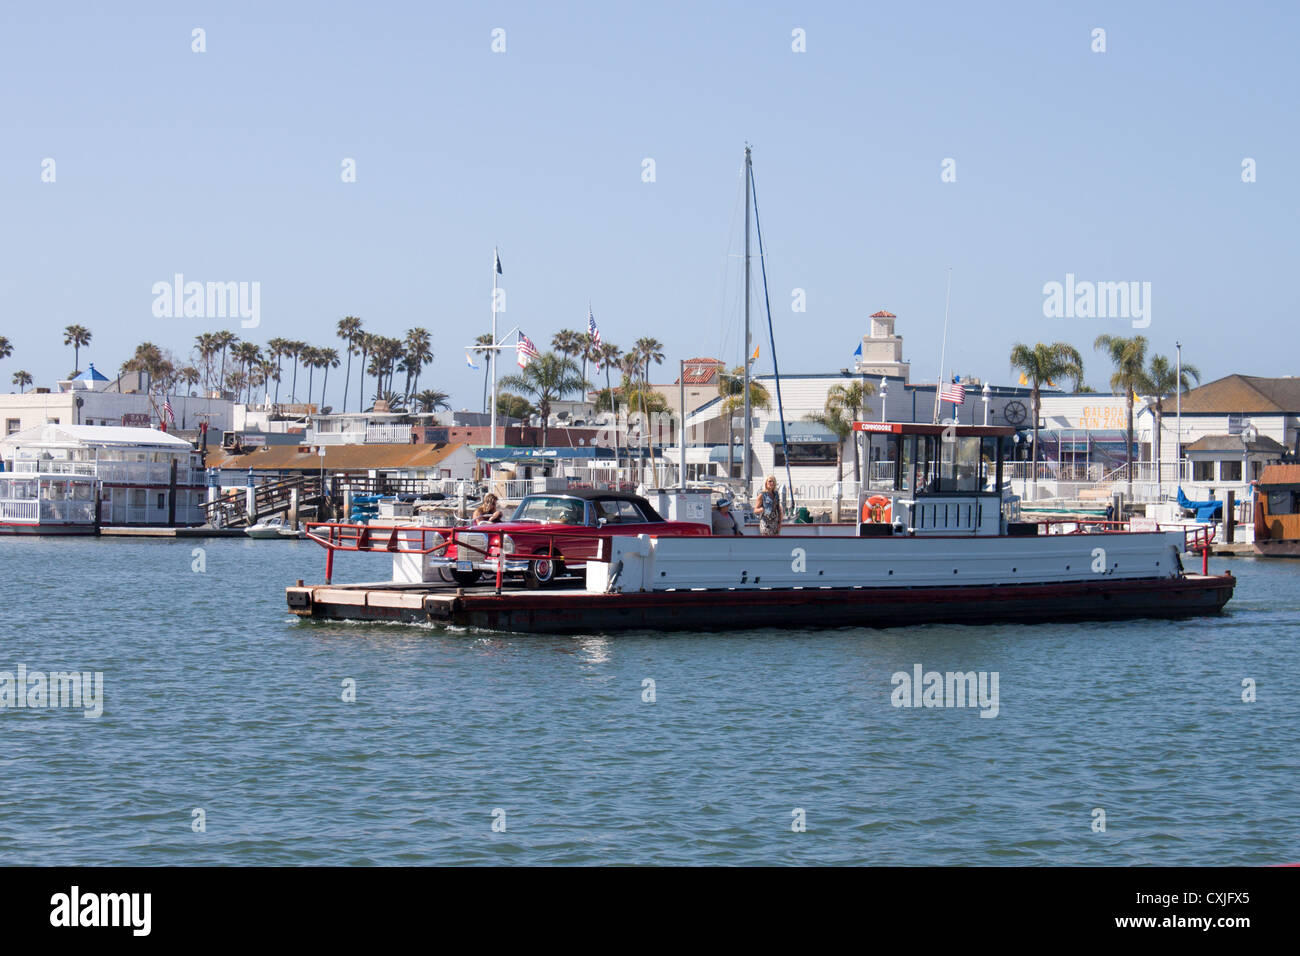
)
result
[(54, 473)]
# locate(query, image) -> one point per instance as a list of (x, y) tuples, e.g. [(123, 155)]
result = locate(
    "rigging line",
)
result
[(771, 338), (728, 322), (724, 324)]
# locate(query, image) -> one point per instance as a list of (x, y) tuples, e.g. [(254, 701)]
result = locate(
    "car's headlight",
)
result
[(508, 545)]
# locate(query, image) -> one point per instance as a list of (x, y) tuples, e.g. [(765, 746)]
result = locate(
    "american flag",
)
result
[(525, 350), (593, 333), (167, 409), (955, 393)]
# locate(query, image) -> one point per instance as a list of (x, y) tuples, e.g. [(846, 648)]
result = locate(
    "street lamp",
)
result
[(985, 394), (884, 397)]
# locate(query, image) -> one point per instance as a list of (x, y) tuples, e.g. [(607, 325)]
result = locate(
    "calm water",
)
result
[(216, 698)]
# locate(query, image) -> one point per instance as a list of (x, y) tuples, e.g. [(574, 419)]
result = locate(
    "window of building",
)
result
[(1282, 502), (1202, 471), (1230, 471), (162, 500), (13, 425)]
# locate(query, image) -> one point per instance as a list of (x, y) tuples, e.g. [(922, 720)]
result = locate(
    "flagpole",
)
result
[(943, 349), (496, 259), (747, 470)]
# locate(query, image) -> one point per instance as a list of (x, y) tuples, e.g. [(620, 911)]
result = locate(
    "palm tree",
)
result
[(270, 373), (206, 346), (834, 420), (731, 386), (349, 327), (609, 354), (22, 380), (1129, 358), (419, 353), (247, 354), (310, 356), (295, 350), (277, 349), (432, 400), (545, 379), (483, 347), (384, 353), (76, 336), (396, 401), (568, 343), (362, 343), (6, 349), (852, 399), (329, 358), (189, 375), (1163, 378), (1040, 365), (221, 341), (648, 350)]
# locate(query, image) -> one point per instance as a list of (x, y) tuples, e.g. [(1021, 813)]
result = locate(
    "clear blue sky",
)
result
[(225, 166)]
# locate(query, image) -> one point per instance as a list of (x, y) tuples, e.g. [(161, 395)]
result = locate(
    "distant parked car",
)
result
[(564, 527)]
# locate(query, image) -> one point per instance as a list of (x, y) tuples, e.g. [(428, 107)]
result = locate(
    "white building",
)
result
[(93, 399), (54, 473)]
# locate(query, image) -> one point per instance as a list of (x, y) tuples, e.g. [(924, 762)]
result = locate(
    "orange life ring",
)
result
[(877, 509)]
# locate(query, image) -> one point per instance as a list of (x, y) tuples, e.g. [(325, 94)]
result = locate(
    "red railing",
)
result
[(417, 539)]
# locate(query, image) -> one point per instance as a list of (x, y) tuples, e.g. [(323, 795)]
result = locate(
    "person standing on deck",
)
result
[(768, 506)]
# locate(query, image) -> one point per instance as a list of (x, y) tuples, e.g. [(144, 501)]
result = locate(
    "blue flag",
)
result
[(857, 352)]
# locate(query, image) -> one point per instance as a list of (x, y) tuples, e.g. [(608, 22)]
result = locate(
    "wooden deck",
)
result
[(798, 609)]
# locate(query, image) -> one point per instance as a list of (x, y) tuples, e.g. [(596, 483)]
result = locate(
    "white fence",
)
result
[(18, 510)]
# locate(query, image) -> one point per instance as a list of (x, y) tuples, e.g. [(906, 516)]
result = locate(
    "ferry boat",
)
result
[(941, 540)]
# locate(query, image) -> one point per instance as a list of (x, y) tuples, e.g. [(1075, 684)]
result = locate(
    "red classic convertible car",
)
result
[(565, 528)]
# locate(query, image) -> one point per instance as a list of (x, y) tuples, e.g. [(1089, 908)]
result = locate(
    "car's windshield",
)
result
[(550, 509)]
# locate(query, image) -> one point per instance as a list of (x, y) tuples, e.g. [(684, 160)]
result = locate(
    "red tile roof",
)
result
[(882, 314), (702, 371)]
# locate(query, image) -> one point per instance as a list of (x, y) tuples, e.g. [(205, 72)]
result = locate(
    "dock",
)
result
[(113, 531)]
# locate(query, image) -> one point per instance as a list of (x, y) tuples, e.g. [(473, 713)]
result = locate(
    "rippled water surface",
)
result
[(215, 698)]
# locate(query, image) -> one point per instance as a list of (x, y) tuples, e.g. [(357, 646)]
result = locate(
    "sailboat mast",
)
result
[(496, 266), (748, 470)]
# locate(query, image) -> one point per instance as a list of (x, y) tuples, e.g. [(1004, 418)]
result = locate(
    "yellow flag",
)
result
[(754, 357), (1023, 379)]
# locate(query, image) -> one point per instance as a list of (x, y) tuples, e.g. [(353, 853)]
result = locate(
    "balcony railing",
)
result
[(116, 472), (388, 434)]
